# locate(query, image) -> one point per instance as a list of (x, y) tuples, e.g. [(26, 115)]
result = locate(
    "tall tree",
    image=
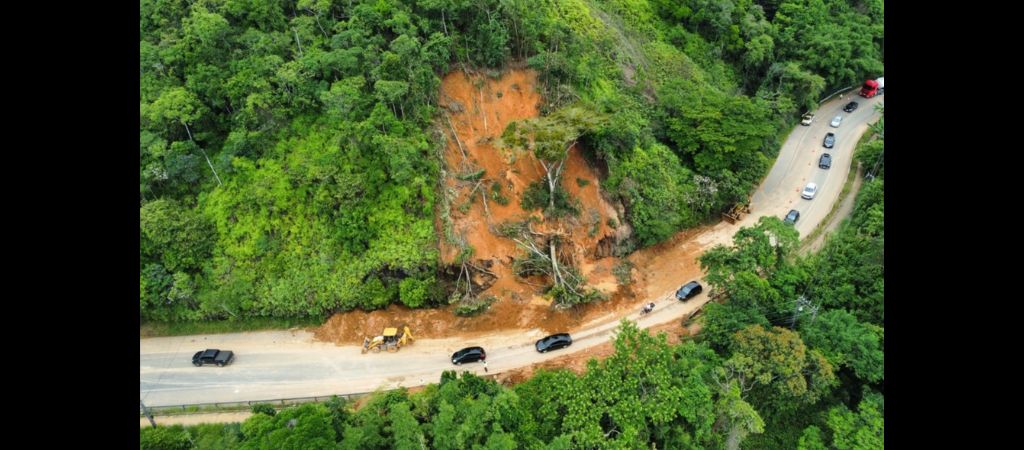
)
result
[(777, 368), (550, 138), (846, 342), (178, 105)]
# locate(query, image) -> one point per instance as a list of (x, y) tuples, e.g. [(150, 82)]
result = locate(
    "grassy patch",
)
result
[(474, 306), (623, 272), (472, 175), (157, 329), (496, 194), (595, 223), (537, 196)]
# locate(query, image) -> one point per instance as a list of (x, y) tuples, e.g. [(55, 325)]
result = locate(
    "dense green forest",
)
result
[(289, 160)]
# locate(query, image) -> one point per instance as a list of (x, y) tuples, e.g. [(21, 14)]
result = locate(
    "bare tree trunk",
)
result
[(483, 194), (204, 155), (297, 41), (551, 183), (464, 156), (554, 264), (317, 17), (732, 441)]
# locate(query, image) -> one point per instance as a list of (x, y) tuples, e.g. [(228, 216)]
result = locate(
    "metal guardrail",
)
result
[(836, 92), (279, 401)]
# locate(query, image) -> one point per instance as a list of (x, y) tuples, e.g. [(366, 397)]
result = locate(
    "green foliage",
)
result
[(623, 272), (180, 238), (496, 194), (537, 196), (778, 367), (212, 436), (726, 137), (307, 426), (863, 429), (264, 408), (164, 438), (655, 190), (761, 250), (850, 270), (416, 292), (722, 322), (811, 440), (845, 342), (472, 175), (737, 416), (581, 182), (474, 305), (646, 392)]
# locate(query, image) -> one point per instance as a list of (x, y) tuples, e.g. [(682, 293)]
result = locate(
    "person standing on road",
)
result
[(485, 366)]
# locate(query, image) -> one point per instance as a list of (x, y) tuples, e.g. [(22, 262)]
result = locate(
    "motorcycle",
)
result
[(647, 309)]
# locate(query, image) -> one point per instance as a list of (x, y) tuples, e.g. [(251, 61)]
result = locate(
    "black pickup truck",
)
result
[(213, 356)]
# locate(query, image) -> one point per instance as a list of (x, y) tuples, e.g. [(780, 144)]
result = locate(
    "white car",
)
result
[(836, 121), (809, 191), (807, 119)]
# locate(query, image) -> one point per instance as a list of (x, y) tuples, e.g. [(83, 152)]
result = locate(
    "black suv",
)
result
[(213, 356), (689, 290), (850, 107), (792, 217), (468, 355), (830, 140), (554, 342), (825, 161)]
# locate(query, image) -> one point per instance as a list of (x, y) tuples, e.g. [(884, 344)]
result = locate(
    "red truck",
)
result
[(872, 88)]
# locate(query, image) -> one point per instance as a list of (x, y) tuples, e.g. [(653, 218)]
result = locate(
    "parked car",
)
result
[(468, 355), (850, 107), (807, 119), (830, 140), (554, 342), (792, 217), (836, 121), (809, 191), (825, 161), (689, 290), (213, 356)]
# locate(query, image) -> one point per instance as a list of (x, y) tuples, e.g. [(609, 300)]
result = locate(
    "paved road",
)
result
[(289, 364), (797, 163)]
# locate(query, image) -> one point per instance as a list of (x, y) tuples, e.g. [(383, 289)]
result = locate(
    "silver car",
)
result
[(809, 191), (836, 121)]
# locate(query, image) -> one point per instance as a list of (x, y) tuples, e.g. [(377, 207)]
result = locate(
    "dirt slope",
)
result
[(475, 111)]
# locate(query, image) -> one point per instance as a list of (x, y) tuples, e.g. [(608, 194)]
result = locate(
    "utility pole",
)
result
[(803, 303), (147, 413)]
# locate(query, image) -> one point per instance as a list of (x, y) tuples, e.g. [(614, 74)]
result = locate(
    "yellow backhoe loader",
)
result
[(390, 340)]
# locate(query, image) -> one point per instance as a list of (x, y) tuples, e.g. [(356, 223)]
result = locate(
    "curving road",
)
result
[(797, 163), (289, 364)]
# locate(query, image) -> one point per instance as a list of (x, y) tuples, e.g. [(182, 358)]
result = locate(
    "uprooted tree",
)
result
[(549, 138), (544, 258)]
